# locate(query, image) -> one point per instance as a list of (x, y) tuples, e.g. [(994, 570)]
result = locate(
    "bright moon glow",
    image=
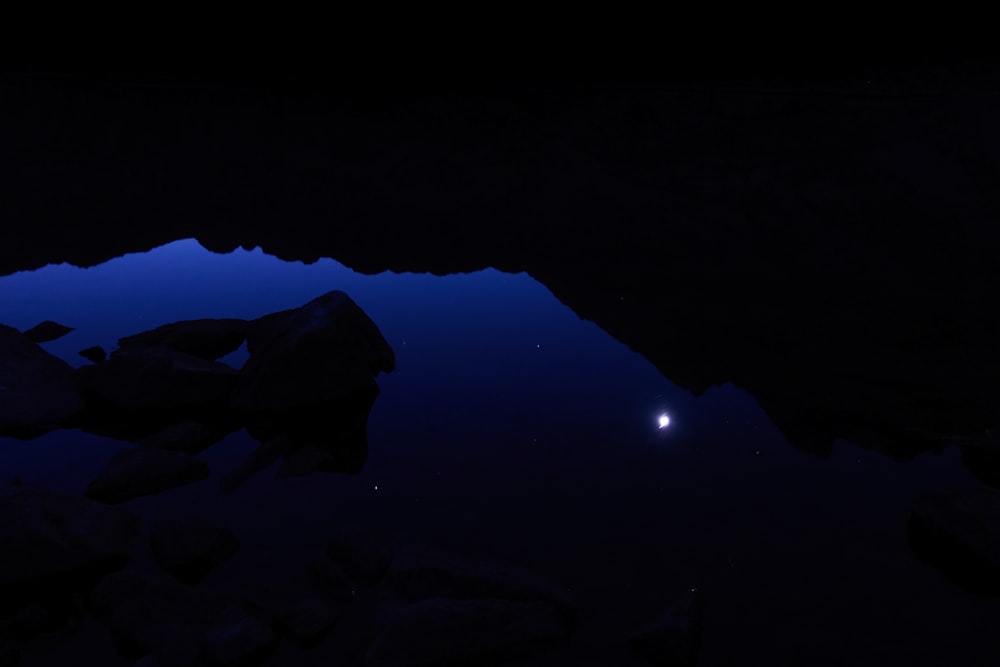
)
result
[(664, 421)]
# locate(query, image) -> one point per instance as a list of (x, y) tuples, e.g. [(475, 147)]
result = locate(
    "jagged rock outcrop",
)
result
[(327, 350), (134, 472), (38, 392), (51, 541), (205, 338)]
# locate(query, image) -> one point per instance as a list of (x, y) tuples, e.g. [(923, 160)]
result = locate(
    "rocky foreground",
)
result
[(69, 559), (304, 393)]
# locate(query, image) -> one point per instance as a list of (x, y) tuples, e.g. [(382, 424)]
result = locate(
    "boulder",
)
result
[(958, 532), (260, 458), (117, 588), (158, 379), (262, 329), (206, 339), (981, 457), (236, 637), (36, 618), (331, 579), (323, 437), (38, 392), (163, 619), (47, 331), (10, 655), (134, 472), (443, 631), (673, 639), (179, 625), (188, 436), (301, 615), (417, 573), (172, 645), (308, 459), (190, 550), (364, 556), (95, 353), (324, 351), (51, 541)]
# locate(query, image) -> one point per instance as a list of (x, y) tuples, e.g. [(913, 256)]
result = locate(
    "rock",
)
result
[(174, 646), (164, 619), (188, 436), (136, 472), (673, 640), (46, 331), (95, 354), (982, 459), (324, 351), (364, 556), (236, 637), (302, 615), (28, 621), (116, 589), (158, 379), (442, 631), (261, 458), (262, 329), (417, 574), (190, 550), (206, 339), (10, 656), (958, 532), (38, 392), (331, 579), (51, 541), (307, 460), (320, 438)]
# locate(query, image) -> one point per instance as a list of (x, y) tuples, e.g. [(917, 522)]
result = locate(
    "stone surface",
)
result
[(38, 392), (331, 579), (190, 550), (329, 438), (304, 616), (178, 625), (117, 588), (47, 331), (364, 555), (51, 539), (10, 656), (418, 573), (188, 436), (260, 458), (306, 460), (981, 457), (134, 472), (206, 338), (157, 379), (237, 637), (958, 532), (324, 351), (265, 327), (673, 639), (95, 353), (164, 619), (30, 620), (442, 631)]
